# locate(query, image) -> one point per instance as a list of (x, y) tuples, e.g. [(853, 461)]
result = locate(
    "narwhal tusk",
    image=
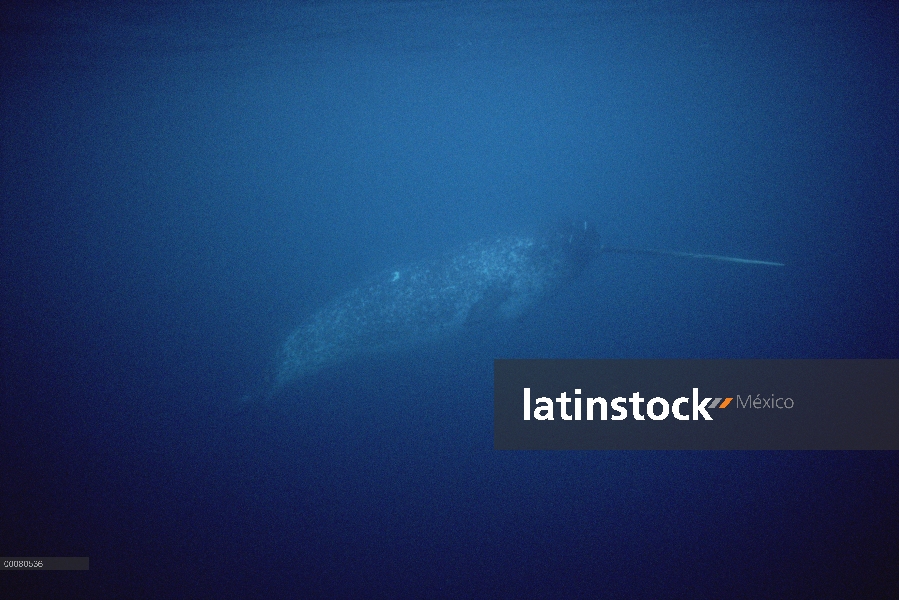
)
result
[(745, 261)]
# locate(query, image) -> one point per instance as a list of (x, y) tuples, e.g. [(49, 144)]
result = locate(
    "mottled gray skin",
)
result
[(485, 280)]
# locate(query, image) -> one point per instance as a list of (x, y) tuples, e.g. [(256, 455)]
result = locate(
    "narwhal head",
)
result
[(577, 244)]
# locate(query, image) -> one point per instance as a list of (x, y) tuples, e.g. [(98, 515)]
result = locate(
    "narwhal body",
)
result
[(486, 280)]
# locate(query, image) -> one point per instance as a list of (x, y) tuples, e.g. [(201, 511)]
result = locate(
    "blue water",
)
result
[(183, 184)]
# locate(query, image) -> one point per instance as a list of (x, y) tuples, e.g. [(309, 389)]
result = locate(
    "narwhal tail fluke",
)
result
[(733, 259)]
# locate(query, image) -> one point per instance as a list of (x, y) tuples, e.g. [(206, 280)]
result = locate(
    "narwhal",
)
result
[(489, 279)]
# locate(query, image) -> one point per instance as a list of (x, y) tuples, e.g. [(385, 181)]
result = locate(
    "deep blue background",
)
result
[(183, 183)]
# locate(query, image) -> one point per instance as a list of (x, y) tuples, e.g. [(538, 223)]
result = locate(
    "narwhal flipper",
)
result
[(489, 306)]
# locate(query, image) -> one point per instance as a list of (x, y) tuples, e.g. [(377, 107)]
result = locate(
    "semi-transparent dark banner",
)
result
[(696, 404)]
